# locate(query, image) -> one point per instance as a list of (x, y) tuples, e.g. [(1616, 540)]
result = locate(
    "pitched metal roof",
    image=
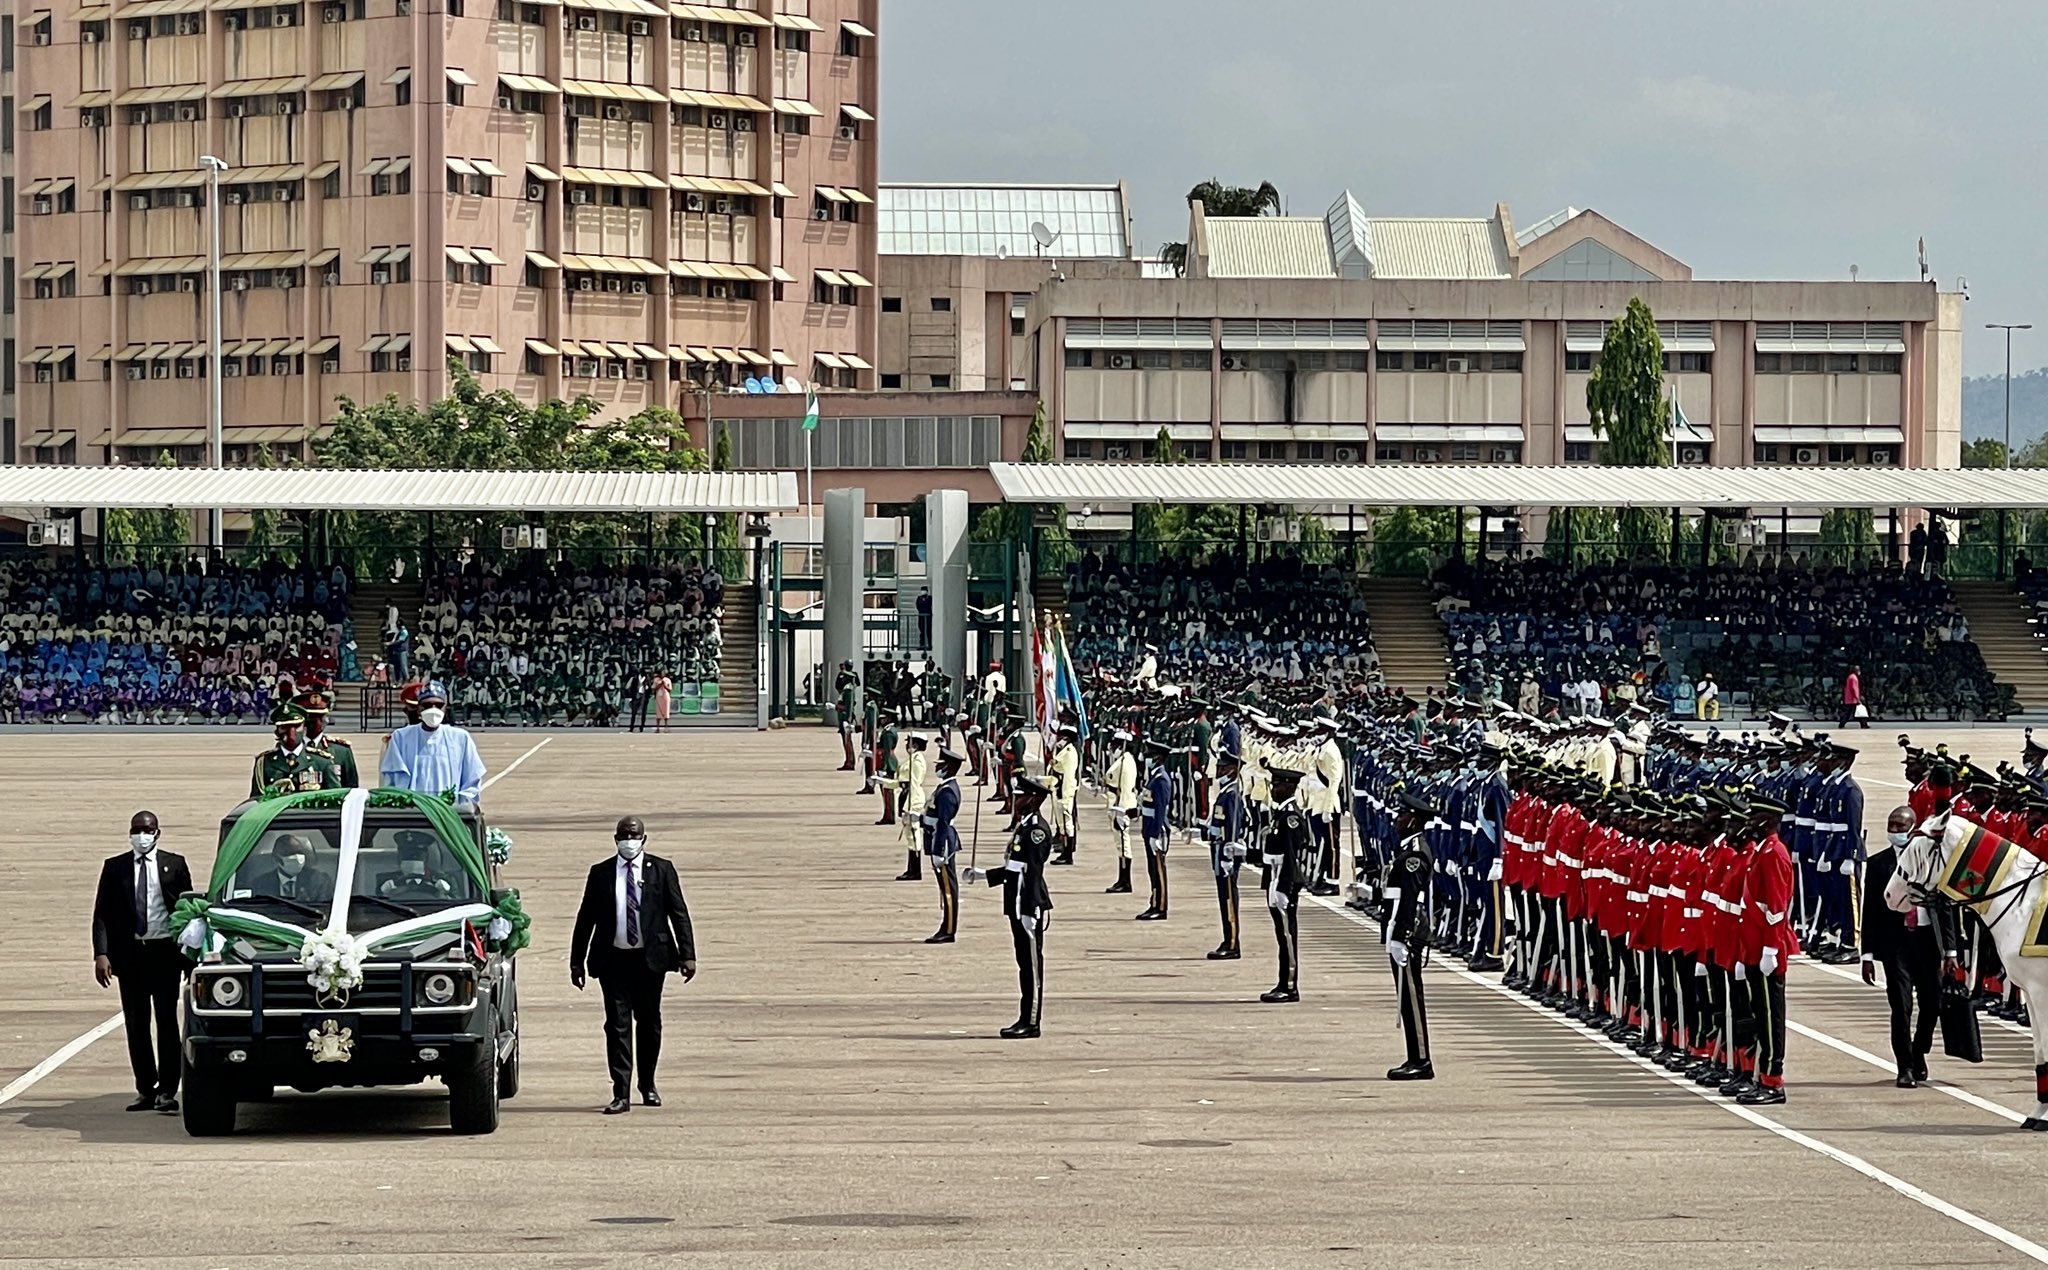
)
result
[(1438, 247), (1394, 485), (995, 220), (285, 489), (1269, 247)]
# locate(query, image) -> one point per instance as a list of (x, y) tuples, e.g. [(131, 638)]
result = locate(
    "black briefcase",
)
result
[(1960, 1037)]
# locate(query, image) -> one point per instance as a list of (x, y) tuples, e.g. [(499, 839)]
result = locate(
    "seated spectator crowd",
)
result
[(1278, 619), (194, 640), (542, 643), (1774, 631)]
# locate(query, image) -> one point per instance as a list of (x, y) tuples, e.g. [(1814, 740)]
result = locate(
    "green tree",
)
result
[(1012, 522), (1848, 536), (1592, 535), (267, 540), (1407, 541), (1984, 452), (1631, 415), (728, 541), (1218, 199)]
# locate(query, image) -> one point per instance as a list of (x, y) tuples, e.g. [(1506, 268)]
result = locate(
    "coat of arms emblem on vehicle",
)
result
[(331, 1042)]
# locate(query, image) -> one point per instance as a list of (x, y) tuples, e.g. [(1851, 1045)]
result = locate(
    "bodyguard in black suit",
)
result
[(632, 929), (1908, 946), (132, 941)]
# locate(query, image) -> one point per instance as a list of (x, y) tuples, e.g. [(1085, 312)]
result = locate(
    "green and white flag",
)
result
[(811, 408), (1682, 426)]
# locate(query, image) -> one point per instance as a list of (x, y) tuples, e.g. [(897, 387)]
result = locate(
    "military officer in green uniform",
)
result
[(892, 769), (291, 766), (339, 752)]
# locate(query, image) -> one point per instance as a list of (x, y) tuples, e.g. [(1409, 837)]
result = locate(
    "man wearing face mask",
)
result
[(415, 878), (289, 878), (632, 929), (1907, 945), (433, 756), (132, 941), (291, 766)]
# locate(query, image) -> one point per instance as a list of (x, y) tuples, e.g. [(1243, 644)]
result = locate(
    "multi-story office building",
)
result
[(1348, 338), (960, 264), (631, 200)]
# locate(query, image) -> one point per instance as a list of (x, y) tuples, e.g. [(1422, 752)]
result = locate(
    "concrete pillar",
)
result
[(945, 563), (845, 579)]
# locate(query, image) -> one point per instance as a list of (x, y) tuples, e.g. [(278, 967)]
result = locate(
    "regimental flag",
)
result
[(1046, 676), (1067, 684), (811, 408), (1683, 428), (1975, 861)]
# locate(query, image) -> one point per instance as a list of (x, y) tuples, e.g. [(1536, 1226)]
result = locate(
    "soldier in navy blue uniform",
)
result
[(1408, 926), (1365, 857), (1488, 844), (1026, 901), (1839, 834), (1158, 821), (1225, 830), (942, 843), (1286, 854)]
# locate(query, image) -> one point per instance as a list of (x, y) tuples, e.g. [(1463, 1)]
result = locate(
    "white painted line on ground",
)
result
[(1856, 977), (1863, 1055), (77, 1045), (20, 1084), (1981, 1225)]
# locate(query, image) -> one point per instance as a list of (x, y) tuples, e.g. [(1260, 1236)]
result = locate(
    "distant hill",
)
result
[(1984, 407)]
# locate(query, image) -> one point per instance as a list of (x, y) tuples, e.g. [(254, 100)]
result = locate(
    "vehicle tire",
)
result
[(473, 1094), (208, 1105)]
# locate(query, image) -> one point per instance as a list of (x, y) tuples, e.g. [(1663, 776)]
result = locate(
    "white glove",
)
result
[(1493, 874), (1028, 922), (1741, 972), (1824, 866), (1770, 961), (1398, 951), (1699, 970), (976, 875), (1277, 900), (1234, 851)]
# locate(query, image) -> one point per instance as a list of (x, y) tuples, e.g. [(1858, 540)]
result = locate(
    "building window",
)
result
[(1272, 451), (1880, 363), (942, 304), (1016, 325), (1769, 363), (1580, 360), (892, 304), (1079, 358), (1195, 359), (1351, 361), (1310, 452), (1841, 454), (795, 41), (1506, 363), (1688, 363), (330, 185), (891, 382), (1465, 453), (1426, 361), (1387, 453), (1767, 454), (941, 382), (1072, 449), (1389, 359), (1578, 451)]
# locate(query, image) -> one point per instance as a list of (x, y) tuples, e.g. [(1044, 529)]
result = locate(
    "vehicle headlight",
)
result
[(438, 989), (226, 990)]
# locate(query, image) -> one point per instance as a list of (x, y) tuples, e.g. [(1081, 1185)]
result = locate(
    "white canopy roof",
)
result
[(1395, 485), (288, 489)]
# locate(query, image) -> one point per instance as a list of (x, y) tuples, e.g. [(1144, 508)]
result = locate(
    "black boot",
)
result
[(1413, 1070), (1122, 885), (912, 872)]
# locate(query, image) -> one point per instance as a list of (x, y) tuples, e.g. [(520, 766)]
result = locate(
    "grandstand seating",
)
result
[(159, 643), (542, 643), (1776, 636)]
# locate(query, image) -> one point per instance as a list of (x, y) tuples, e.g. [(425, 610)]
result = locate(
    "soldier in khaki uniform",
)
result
[(1063, 774), (291, 766), (315, 703)]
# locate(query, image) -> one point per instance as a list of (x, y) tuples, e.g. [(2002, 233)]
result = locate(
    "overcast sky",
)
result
[(1749, 138)]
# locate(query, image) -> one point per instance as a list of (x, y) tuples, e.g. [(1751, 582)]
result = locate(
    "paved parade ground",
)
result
[(836, 1093)]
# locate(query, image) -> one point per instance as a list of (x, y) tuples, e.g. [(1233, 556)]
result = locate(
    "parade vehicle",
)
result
[(352, 938)]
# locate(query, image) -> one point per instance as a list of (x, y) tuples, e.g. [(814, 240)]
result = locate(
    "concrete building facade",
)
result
[(636, 201)]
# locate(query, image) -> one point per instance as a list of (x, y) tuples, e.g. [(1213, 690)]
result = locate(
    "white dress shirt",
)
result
[(627, 868), (159, 916)]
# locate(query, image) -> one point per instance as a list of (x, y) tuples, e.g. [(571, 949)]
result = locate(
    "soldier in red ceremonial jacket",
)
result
[(1767, 937)]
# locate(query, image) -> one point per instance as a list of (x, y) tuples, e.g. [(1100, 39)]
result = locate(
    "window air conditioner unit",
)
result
[(333, 13), (742, 123), (188, 198), (380, 276), (402, 362), (1114, 452), (1880, 458), (847, 132), (286, 106), (1428, 454), (693, 202), (579, 195), (639, 286), (86, 36), (586, 24), (283, 280), (1232, 362), (237, 108), (231, 368), (722, 207), (188, 284), (505, 101), (139, 115), (144, 286), (535, 191), (1806, 454), (615, 370), (1121, 361), (693, 33), (1692, 454), (330, 365), (1502, 454), (638, 26), (1458, 365), (233, 198), (614, 113), (239, 282), (188, 114), (821, 213), (41, 207), (284, 194), (138, 202), (719, 291), (138, 30), (718, 119), (1346, 454), (615, 285), (42, 36), (233, 22), (343, 100), (135, 370), (586, 283), (745, 39)]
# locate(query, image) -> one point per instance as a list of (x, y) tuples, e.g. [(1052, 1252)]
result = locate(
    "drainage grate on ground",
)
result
[(632, 1221), (1184, 1142), (874, 1220)]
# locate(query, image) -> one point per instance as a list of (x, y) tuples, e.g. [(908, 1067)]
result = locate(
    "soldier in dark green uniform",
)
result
[(1205, 749), (892, 769), (291, 766), (313, 701), (847, 688), (870, 736)]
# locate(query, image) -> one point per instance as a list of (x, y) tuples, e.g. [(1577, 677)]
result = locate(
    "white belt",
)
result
[(1831, 827), (1692, 914), (1661, 893), (1637, 897)]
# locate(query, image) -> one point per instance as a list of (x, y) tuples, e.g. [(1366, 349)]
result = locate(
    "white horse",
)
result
[(2007, 910)]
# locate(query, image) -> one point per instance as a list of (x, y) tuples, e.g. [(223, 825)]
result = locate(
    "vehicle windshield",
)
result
[(402, 869)]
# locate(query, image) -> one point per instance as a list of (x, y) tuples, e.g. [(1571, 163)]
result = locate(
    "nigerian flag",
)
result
[(1682, 426), (811, 408)]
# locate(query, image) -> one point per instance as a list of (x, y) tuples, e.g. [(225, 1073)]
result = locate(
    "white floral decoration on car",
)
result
[(334, 964)]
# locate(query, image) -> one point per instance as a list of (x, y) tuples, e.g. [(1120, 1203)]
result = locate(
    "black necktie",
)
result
[(141, 896)]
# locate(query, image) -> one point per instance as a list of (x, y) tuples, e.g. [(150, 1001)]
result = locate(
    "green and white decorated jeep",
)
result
[(352, 938)]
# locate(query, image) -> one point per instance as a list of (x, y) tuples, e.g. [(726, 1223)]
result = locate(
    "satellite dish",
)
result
[(792, 384), (769, 385), (753, 384), (1043, 236)]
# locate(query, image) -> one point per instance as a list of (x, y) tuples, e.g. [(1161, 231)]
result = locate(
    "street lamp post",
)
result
[(2008, 328), (217, 453)]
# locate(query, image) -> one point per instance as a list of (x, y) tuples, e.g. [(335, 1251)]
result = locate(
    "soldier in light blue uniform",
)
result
[(1226, 833)]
